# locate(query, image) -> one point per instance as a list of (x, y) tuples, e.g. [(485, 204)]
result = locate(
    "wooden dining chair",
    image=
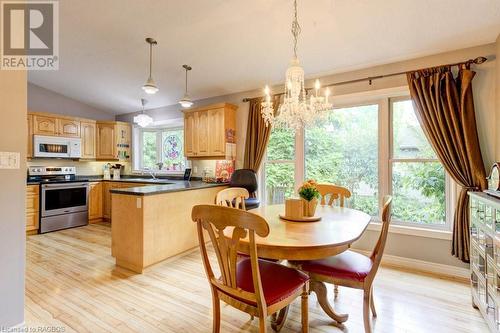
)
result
[(334, 192), (257, 287), (233, 197), (354, 270)]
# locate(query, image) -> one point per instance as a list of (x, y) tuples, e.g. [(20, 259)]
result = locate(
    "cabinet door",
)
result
[(43, 125), (190, 149), (68, 127), (106, 202), (29, 153), (217, 140), (95, 202), (202, 133), (88, 130), (32, 207), (106, 141)]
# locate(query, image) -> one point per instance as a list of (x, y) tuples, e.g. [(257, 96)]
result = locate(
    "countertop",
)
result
[(173, 186)]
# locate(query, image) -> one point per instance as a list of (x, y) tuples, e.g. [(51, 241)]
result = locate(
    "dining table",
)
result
[(334, 233)]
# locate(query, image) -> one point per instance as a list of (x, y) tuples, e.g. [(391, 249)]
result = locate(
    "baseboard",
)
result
[(420, 266)]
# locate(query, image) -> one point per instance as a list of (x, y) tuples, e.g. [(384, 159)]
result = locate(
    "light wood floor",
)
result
[(71, 282)]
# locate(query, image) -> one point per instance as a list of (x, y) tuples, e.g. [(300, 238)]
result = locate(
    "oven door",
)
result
[(64, 198)]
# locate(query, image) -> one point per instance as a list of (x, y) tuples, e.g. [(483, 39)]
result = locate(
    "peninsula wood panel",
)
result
[(152, 228)]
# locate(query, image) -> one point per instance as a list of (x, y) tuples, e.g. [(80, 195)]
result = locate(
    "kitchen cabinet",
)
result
[(113, 141), (95, 202), (88, 135), (29, 153), (68, 127), (44, 125), (32, 208), (208, 130)]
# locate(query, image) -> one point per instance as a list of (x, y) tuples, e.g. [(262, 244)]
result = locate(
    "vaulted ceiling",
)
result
[(240, 45)]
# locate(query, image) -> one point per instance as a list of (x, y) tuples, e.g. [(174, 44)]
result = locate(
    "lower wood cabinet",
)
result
[(107, 186), (32, 208), (95, 202)]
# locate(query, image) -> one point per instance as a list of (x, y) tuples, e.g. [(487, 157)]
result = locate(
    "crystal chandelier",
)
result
[(143, 119), (298, 108)]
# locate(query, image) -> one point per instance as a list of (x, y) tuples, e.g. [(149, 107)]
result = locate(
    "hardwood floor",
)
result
[(72, 282)]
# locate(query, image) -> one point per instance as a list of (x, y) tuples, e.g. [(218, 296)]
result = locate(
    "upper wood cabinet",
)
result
[(88, 135), (56, 126), (43, 125), (113, 140), (68, 127), (208, 130)]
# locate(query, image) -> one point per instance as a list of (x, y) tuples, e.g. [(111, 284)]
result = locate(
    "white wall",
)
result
[(44, 100), (13, 134), (484, 88)]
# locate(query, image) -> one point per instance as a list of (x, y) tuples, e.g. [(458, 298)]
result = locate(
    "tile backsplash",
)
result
[(83, 168)]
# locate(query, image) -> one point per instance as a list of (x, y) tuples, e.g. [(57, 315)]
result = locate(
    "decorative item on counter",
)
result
[(223, 170), (494, 181), (116, 171), (107, 171), (309, 194)]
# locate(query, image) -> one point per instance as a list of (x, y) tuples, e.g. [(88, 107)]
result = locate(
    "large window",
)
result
[(280, 166), (373, 147), (343, 150), (160, 148), (417, 177)]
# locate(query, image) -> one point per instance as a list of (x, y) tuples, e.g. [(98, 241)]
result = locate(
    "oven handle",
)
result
[(62, 185)]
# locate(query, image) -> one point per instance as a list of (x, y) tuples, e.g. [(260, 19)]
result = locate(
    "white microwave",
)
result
[(56, 146)]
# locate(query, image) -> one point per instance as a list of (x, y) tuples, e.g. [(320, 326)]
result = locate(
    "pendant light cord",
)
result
[(295, 29), (185, 92), (150, 58)]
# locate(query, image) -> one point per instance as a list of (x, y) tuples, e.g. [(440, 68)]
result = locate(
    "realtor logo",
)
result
[(29, 35)]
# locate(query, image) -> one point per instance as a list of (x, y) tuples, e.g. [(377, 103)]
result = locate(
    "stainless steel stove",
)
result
[(64, 197)]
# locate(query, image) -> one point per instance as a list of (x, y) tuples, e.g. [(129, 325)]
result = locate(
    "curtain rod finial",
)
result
[(480, 60)]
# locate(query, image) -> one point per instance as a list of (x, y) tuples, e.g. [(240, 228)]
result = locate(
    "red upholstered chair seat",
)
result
[(347, 265), (278, 281)]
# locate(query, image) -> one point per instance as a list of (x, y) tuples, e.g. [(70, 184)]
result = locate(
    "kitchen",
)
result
[(174, 137)]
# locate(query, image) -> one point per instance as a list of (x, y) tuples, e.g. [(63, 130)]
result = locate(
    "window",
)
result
[(373, 147), (343, 150), (417, 177), (159, 147), (280, 166)]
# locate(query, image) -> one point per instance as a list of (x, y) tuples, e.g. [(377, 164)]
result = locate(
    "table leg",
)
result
[(321, 292), (278, 319)]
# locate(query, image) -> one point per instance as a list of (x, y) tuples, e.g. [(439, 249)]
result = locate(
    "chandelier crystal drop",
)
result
[(298, 108)]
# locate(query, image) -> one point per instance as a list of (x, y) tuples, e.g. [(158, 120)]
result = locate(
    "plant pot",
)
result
[(309, 207)]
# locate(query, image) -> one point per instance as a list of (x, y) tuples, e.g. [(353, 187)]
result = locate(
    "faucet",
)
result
[(150, 172)]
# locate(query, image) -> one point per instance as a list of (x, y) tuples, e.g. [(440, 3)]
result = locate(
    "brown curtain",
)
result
[(257, 135), (445, 108)]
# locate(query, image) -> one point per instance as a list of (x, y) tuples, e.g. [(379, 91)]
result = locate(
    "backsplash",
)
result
[(83, 168)]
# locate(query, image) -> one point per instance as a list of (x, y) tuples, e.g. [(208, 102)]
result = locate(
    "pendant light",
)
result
[(186, 101), (143, 119), (150, 86)]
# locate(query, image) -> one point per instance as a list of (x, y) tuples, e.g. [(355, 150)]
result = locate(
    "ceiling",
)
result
[(241, 45)]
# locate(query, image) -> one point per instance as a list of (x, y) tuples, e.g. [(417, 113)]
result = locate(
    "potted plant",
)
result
[(309, 194)]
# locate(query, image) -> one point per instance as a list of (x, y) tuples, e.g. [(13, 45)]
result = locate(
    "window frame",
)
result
[(384, 100), (137, 149)]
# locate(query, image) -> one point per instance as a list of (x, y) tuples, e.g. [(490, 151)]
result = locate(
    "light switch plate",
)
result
[(9, 160)]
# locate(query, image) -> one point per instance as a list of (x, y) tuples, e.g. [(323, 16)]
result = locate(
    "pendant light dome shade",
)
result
[(150, 86), (186, 101), (143, 119)]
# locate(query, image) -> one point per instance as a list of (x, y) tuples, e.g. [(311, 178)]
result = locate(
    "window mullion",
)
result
[(158, 147), (384, 142)]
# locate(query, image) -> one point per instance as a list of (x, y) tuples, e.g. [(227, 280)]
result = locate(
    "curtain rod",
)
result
[(476, 61)]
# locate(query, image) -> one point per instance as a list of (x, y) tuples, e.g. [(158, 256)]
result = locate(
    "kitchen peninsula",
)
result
[(152, 223)]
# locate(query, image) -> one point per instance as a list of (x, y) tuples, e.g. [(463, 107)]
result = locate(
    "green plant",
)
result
[(308, 190)]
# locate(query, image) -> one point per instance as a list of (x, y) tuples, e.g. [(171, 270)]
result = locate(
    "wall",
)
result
[(485, 94), (83, 168), (44, 100), (498, 100), (13, 134)]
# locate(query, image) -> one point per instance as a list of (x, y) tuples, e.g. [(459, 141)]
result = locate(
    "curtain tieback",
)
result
[(471, 188)]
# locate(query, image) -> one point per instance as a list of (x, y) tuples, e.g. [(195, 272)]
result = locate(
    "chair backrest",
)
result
[(335, 192), (245, 178), (227, 196), (378, 250), (214, 219)]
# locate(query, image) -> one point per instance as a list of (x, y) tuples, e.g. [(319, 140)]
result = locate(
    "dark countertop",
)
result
[(173, 186)]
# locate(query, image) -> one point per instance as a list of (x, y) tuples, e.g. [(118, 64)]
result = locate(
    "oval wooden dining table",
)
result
[(338, 228)]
